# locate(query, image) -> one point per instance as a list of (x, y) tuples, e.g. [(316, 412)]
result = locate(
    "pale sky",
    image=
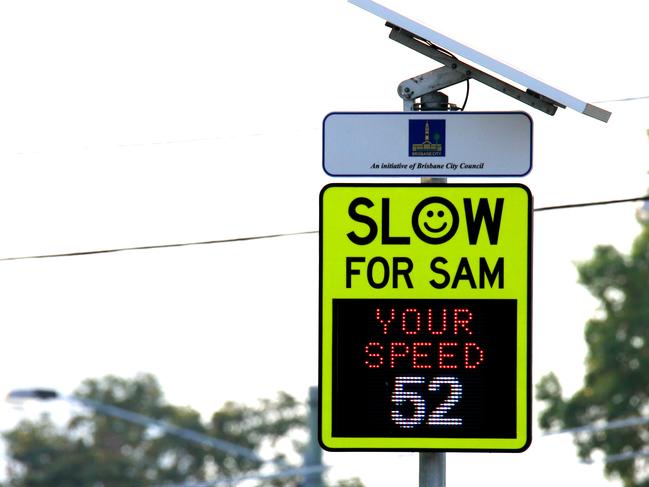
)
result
[(159, 122)]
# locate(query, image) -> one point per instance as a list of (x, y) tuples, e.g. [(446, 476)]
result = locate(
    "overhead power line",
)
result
[(610, 425), (162, 246), (277, 235), (592, 203), (165, 142), (631, 98)]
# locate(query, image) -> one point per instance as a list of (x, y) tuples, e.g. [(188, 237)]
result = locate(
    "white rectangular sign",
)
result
[(427, 144)]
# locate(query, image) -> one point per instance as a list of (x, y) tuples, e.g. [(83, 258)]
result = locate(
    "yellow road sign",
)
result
[(425, 317)]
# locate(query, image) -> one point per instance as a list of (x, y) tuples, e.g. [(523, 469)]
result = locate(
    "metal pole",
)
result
[(313, 455), (432, 465), (432, 469)]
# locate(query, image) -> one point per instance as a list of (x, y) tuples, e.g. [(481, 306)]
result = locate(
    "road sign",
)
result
[(427, 144), (425, 317)]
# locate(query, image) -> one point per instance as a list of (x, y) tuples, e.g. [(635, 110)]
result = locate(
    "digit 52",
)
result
[(409, 408)]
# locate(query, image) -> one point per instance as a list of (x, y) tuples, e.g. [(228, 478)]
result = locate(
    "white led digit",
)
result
[(400, 396), (438, 415)]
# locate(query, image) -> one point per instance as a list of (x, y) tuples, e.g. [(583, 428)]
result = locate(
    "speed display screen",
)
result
[(413, 367)]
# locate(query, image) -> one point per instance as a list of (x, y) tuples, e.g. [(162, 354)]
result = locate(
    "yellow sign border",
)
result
[(338, 195)]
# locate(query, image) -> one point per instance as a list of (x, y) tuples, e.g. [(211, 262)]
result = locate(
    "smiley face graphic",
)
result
[(435, 220)]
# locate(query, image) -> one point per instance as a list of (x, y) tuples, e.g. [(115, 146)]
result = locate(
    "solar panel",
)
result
[(560, 97)]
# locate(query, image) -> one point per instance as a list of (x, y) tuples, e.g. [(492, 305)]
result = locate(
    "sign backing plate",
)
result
[(406, 312), (427, 144)]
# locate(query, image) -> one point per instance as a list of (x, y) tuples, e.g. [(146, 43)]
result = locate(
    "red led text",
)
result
[(424, 339)]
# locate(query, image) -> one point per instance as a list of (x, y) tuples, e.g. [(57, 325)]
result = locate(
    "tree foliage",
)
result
[(96, 450), (616, 384)]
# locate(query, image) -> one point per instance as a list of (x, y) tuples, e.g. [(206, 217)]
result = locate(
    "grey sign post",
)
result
[(437, 145)]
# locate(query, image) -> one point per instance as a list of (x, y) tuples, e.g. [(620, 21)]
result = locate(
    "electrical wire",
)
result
[(632, 98), (466, 96), (451, 55), (592, 203), (278, 235), (614, 424), (154, 143), (162, 246), (595, 427)]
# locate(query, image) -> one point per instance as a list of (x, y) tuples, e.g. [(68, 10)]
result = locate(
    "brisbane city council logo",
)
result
[(427, 138)]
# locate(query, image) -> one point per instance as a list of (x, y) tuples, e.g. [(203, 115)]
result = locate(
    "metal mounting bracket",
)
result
[(429, 82), (455, 71)]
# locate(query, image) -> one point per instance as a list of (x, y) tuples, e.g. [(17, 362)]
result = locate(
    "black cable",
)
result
[(466, 97), (593, 203), (163, 246), (451, 55), (277, 235)]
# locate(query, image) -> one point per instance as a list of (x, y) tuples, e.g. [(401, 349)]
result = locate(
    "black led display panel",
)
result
[(424, 368)]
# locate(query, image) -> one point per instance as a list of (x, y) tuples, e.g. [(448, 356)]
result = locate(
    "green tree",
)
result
[(616, 384), (96, 450)]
